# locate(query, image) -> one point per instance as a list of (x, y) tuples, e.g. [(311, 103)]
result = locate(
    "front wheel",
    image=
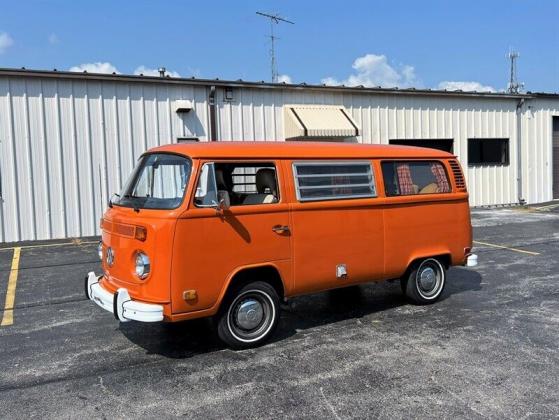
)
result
[(425, 283), (249, 316)]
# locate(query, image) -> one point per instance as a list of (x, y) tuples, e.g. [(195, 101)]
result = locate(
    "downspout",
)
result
[(213, 127), (519, 106)]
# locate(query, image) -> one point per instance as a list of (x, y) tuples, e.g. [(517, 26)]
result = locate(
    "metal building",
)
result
[(69, 140)]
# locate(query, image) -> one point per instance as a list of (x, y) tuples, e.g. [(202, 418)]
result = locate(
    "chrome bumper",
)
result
[(471, 260), (120, 304)]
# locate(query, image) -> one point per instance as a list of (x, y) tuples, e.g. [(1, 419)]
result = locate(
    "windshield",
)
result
[(158, 182)]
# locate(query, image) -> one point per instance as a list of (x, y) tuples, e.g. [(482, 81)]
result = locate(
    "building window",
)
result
[(488, 152), (316, 181), (410, 178), (446, 145)]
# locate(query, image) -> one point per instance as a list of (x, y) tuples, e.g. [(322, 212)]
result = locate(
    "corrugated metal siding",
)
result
[(66, 145), (383, 117), (537, 150)]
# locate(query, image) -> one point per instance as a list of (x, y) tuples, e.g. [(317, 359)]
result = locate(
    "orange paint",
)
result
[(199, 251)]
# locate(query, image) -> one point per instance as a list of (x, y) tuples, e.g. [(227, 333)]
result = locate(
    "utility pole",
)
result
[(514, 86), (274, 20)]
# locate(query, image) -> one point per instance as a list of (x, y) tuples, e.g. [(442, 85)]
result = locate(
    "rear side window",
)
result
[(315, 181), (410, 178)]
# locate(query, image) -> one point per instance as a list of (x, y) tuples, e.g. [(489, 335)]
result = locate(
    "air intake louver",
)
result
[(458, 175)]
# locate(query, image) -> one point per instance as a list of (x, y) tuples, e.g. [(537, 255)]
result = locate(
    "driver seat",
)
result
[(266, 186)]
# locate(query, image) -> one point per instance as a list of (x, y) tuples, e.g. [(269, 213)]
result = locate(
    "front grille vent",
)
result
[(118, 228)]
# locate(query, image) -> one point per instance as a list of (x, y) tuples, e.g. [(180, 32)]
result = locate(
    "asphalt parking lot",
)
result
[(488, 349)]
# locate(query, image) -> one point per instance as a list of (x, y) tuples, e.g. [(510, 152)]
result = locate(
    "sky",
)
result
[(456, 44)]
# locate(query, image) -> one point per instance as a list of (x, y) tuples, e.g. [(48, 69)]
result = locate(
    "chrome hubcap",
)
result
[(249, 314), (428, 279)]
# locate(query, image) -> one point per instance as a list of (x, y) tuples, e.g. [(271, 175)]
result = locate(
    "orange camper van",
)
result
[(230, 229)]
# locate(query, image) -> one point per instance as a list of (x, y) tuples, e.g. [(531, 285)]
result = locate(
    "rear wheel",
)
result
[(425, 283), (249, 316)]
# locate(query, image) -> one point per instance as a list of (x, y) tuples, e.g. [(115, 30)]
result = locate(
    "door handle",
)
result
[(280, 228)]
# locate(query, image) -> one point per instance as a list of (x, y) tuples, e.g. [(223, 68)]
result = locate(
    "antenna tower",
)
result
[(514, 86), (274, 20)]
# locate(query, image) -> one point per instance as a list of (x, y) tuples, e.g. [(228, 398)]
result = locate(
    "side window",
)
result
[(410, 178), (315, 181), (239, 183), (206, 191)]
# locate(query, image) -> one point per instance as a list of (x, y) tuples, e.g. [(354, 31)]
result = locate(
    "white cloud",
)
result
[(6, 42), (53, 39), (154, 72), (466, 86), (284, 78), (97, 67), (374, 70)]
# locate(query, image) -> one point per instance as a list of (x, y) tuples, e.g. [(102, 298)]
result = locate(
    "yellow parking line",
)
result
[(77, 243), (507, 247), (8, 318)]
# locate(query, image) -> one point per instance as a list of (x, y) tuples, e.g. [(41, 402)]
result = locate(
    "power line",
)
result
[(274, 20)]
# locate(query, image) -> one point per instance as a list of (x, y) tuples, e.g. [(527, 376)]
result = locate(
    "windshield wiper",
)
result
[(111, 199), (134, 206)]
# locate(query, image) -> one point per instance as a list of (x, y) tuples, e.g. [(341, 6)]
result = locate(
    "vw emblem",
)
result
[(110, 256)]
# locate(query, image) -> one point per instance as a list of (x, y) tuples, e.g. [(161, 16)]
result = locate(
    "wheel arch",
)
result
[(267, 272), (445, 258)]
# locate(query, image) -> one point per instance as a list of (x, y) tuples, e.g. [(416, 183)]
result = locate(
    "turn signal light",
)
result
[(141, 233), (190, 295)]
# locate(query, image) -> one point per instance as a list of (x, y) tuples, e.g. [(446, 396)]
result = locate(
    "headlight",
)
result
[(100, 250), (142, 265)]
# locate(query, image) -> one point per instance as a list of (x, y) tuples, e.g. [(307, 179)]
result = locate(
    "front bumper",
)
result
[(120, 304)]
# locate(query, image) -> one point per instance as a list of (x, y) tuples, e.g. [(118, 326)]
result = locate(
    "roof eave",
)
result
[(265, 85)]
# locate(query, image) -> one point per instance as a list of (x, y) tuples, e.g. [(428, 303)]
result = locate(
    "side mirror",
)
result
[(221, 206), (223, 202)]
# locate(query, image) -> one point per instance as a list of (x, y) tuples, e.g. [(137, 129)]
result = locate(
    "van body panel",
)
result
[(326, 234), (211, 246), (160, 232), (351, 235), (419, 230), (283, 267)]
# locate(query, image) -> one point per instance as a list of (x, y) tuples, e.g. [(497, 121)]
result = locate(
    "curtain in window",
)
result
[(440, 176), (404, 179)]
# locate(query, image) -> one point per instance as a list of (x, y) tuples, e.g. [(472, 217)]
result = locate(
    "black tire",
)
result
[(249, 316), (425, 282)]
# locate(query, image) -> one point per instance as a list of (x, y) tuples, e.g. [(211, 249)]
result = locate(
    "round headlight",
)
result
[(142, 265), (100, 250)]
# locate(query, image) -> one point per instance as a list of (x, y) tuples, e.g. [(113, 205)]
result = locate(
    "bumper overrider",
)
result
[(119, 303)]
